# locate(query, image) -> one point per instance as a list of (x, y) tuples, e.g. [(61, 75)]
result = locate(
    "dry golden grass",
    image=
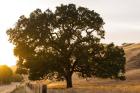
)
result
[(103, 86)]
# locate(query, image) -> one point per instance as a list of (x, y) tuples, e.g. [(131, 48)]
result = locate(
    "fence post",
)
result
[(44, 88)]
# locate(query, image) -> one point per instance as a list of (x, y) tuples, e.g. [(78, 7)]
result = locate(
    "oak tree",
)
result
[(54, 45)]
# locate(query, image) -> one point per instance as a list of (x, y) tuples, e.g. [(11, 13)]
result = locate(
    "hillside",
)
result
[(132, 56), (132, 61)]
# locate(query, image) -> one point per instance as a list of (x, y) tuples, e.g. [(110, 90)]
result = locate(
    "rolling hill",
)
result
[(132, 61)]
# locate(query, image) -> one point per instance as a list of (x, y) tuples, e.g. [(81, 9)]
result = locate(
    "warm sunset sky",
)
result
[(122, 18)]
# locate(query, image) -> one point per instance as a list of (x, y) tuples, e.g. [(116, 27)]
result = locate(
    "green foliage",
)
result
[(56, 44), (17, 78), (5, 74), (110, 62)]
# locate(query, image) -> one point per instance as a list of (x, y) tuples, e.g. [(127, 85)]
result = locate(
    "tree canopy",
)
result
[(54, 45)]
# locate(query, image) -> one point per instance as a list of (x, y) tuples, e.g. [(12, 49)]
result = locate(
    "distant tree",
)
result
[(110, 62), (54, 45), (5, 74), (17, 78), (127, 44)]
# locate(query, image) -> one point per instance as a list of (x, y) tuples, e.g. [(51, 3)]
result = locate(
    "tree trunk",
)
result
[(69, 81)]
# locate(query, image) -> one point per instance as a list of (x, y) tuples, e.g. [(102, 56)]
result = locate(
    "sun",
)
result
[(6, 51)]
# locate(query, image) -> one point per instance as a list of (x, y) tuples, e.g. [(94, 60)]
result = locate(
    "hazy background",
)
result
[(121, 17)]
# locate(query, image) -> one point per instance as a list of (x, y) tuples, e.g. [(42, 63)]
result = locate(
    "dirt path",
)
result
[(8, 88), (20, 90)]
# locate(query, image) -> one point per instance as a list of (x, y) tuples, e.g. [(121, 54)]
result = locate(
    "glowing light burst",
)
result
[(6, 51)]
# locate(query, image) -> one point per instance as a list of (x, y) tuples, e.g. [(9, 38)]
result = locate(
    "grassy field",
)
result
[(115, 87), (103, 86)]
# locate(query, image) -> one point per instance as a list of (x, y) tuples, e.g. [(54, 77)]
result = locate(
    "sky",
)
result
[(121, 17)]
